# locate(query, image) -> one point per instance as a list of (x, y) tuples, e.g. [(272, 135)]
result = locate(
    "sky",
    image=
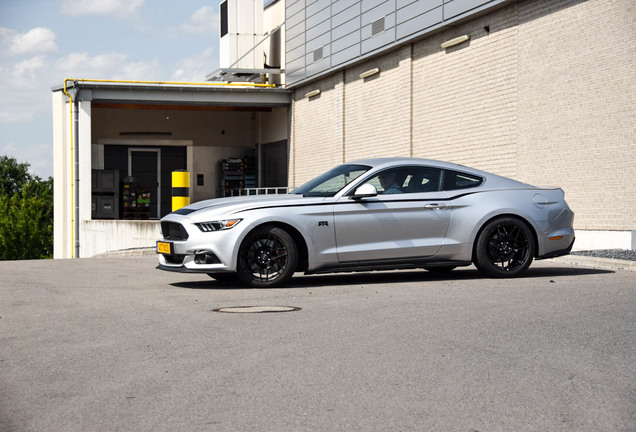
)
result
[(42, 42)]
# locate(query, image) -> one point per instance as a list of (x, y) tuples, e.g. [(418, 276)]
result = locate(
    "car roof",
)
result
[(387, 162), (381, 163)]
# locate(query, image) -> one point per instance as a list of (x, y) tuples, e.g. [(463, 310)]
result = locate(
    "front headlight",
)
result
[(217, 225)]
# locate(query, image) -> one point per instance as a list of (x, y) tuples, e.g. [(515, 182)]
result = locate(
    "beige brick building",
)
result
[(543, 91)]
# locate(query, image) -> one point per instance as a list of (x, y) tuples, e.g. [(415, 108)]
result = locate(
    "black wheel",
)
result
[(268, 257), (441, 269), (505, 248), (224, 277)]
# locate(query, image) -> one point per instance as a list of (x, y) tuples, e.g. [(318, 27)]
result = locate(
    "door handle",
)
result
[(435, 206)]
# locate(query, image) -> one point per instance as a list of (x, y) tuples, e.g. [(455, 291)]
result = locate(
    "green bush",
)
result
[(26, 213)]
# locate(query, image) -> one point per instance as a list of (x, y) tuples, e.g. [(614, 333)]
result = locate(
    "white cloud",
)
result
[(26, 85), (196, 68), (120, 8), (36, 41), (203, 21), (107, 66), (37, 155)]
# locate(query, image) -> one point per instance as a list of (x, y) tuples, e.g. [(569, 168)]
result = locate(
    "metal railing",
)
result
[(274, 190)]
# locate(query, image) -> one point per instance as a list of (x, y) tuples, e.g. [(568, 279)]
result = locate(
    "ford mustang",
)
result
[(372, 214)]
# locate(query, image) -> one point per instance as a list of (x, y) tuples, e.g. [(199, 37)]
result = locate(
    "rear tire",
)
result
[(268, 257), (505, 248)]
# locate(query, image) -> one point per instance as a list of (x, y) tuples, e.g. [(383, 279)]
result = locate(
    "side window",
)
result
[(415, 179), (457, 180)]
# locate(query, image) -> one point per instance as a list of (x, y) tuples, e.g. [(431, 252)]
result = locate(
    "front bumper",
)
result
[(198, 261), (197, 251)]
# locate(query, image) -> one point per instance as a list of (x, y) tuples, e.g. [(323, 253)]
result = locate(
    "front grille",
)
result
[(173, 231), (174, 259)]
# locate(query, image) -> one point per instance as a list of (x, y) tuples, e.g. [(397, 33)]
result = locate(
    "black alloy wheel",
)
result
[(505, 248), (268, 257)]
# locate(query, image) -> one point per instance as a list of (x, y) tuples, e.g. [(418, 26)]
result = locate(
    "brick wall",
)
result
[(377, 109), (577, 95), (316, 130), (464, 97), (544, 92)]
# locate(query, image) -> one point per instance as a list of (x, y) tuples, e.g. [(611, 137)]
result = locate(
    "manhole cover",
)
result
[(256, 309)]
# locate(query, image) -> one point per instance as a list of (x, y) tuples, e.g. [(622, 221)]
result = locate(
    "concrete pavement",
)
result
[(113, 344)]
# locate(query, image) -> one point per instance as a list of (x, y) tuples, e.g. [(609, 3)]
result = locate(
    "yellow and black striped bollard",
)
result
[(180, 189)]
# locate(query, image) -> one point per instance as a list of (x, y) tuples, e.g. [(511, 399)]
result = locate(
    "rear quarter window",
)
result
[(454, 180)]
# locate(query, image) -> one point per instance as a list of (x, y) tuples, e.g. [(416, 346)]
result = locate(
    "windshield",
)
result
[(331, 182)]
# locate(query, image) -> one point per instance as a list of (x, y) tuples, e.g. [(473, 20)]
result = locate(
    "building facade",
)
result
[(541, 90)]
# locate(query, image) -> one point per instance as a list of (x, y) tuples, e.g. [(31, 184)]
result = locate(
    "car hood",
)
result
[(224, 207)]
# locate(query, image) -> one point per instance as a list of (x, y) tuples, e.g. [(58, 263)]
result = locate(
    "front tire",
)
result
[(505, 248), (267, 258)]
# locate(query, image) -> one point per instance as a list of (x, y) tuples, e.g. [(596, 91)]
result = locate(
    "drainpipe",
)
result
[(74, 126)]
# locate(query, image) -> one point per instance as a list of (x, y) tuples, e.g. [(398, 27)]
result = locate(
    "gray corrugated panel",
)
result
[(345, 42), (310, 57), (318, 18), (317, 67), (295, 31), (318, 42), (367, 5), (389, 23), (457, 7), (345, 29), (402, 3), (294, 8), (338, 6), (294, 20), (346, 15), (291, 66), (418, 8), (345, 55), (316, 7), (294, 54), (413, 18), (381, 39), (318, 30), (383, 10), (294, 42), (296, 75), (419, 23)]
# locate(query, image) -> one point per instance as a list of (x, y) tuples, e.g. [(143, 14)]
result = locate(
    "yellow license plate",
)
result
[(164, 248)]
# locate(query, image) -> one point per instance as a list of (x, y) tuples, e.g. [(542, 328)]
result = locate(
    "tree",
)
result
[(26, 212), (13, 176)]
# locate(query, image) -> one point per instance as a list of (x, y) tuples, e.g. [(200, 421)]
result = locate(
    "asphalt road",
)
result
[(113, 344)]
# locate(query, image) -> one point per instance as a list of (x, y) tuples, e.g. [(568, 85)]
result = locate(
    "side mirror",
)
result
[(367, 190)]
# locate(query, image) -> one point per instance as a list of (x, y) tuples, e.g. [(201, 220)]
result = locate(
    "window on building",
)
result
[(224, 18)]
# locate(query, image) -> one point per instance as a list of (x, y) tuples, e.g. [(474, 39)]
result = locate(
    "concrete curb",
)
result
[(606, 263), (127, 253)]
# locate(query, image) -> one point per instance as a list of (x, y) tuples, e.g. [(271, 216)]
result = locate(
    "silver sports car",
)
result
[(372, 214)]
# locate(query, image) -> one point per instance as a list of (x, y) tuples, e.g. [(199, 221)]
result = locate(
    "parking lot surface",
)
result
[(112, 344)]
